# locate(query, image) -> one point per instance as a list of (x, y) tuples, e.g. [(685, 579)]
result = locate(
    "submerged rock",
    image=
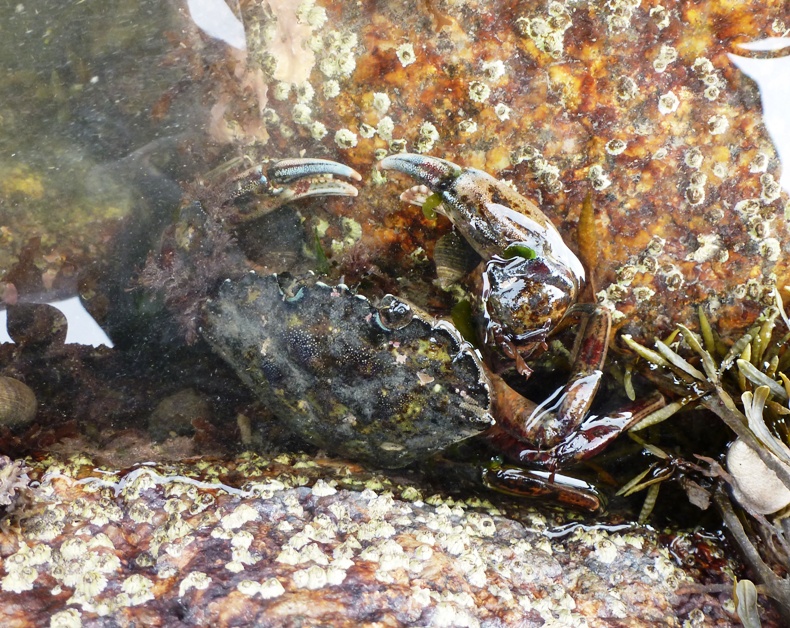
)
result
[(180, 544)]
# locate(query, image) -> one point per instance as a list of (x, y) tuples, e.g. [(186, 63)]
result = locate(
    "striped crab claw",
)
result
[(273, 184)]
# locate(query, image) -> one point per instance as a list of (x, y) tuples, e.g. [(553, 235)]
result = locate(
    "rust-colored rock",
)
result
[(636, 103)]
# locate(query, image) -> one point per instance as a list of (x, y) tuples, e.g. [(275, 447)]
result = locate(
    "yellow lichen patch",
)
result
[(20, 181)]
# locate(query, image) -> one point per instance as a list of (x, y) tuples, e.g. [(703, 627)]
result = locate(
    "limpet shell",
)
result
[(454, 259), (17, 402)]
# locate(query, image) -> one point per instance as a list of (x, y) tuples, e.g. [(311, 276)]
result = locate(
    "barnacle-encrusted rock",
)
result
[(637, 103), (186, 544)]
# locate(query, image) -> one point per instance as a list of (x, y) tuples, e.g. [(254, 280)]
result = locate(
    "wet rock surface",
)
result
[(283, 541)]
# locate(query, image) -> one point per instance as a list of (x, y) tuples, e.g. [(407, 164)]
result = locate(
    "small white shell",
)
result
[(17, 403), (756, 486)]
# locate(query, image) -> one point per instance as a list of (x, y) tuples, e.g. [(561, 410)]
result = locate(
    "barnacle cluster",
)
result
[(547, 32), (285, 532)]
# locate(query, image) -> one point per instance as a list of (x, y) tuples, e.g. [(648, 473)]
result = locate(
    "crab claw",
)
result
[(433, 172), (490, 214), (531, 277), (267, 187)]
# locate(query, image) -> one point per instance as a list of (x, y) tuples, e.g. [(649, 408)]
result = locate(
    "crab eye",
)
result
[(393, 313), (519, 250)]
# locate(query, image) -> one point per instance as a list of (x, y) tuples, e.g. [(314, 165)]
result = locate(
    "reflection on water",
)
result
[(215, 18), (99, 123), (106, 112), (87, 149), (82, 328), (773, 77)]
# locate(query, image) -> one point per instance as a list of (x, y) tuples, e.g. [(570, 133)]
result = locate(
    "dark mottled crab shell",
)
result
[(382, 385)]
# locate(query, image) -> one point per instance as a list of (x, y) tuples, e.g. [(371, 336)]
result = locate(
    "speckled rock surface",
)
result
[(633, 102), (174, 545)]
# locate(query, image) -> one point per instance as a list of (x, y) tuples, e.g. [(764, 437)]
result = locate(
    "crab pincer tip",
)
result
[(287, 170), (427, 170)]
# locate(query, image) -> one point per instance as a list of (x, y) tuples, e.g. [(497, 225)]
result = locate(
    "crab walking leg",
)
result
[(546, 424), (562, 489), (591, 438), (558, 430), (268, 187), (589, 357)]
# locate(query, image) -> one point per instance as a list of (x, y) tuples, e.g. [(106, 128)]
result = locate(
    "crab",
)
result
[(385, 382)]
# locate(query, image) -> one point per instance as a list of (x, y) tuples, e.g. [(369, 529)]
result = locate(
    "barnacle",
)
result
[(13, 481), (502, 111), (668, 103), (406, 54)]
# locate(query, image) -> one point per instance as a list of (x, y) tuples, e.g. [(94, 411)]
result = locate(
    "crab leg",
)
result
[(563, 489), (592, 437), (556, 429), (267, 187)]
